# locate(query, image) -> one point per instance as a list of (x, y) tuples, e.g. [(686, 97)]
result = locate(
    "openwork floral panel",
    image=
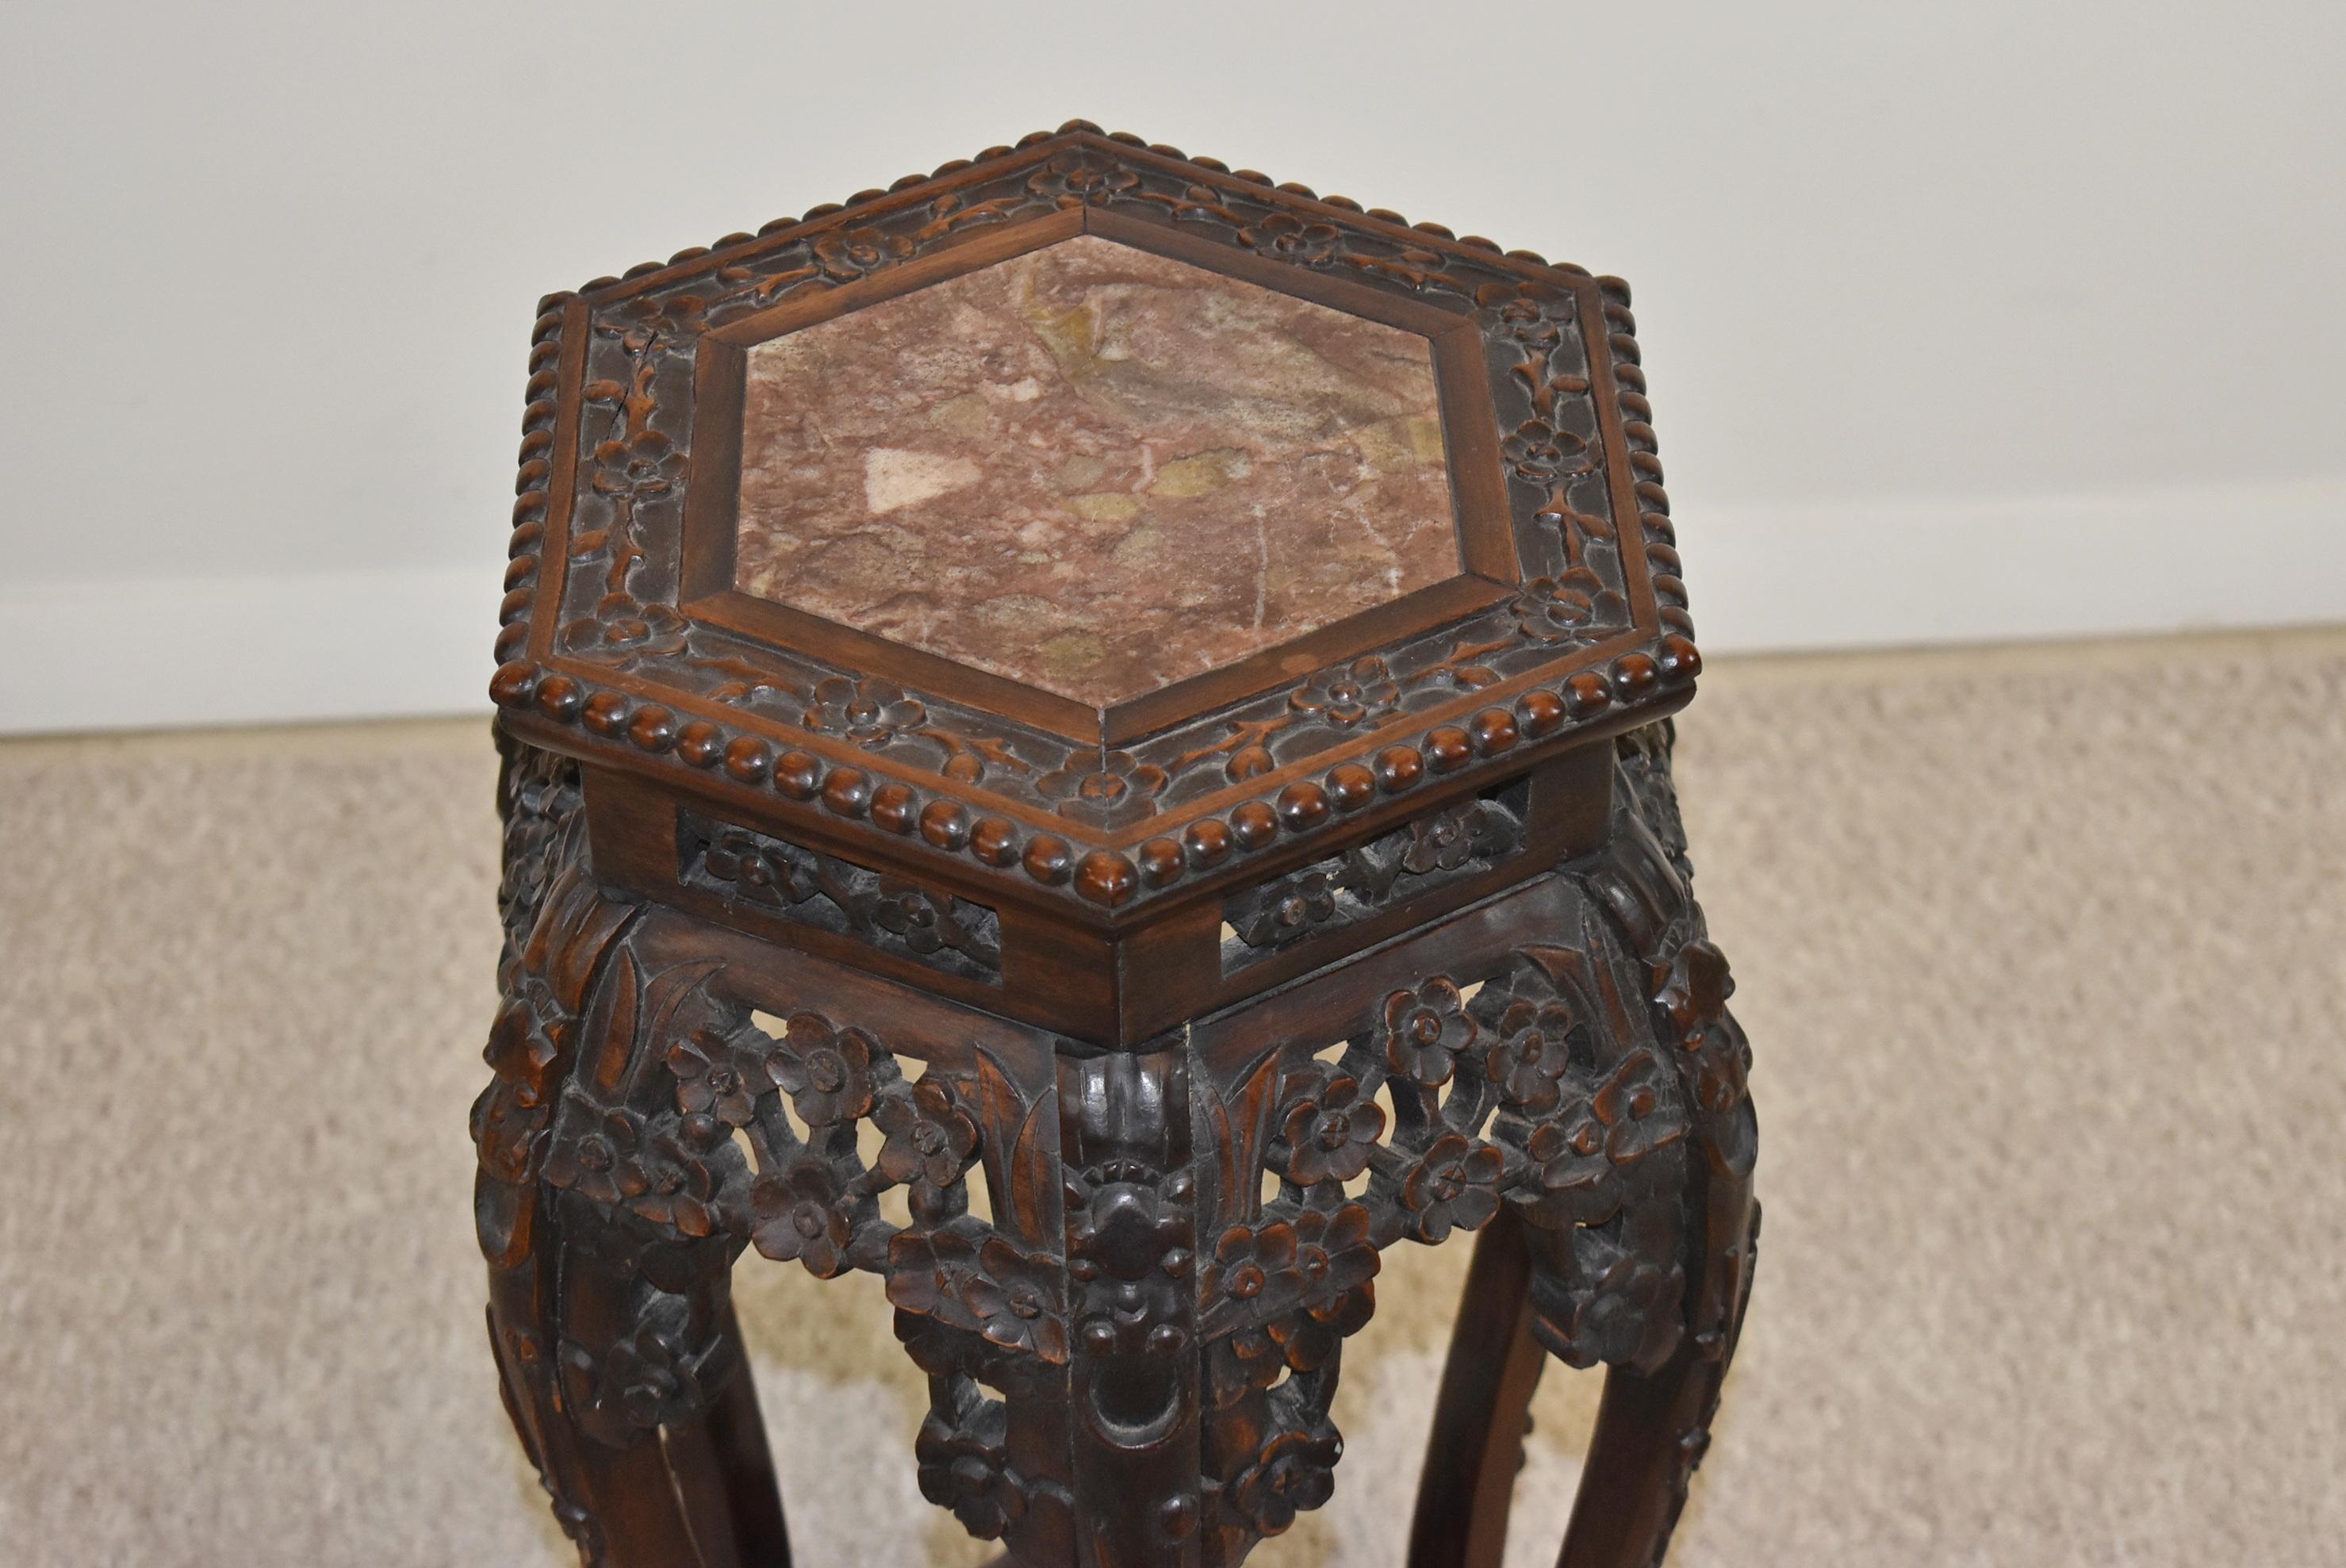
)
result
[(1178, 1240)]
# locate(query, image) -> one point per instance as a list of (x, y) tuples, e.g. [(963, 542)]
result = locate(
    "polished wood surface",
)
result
[(807, 938)]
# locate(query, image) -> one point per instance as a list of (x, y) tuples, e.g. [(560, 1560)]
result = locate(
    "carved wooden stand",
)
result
[(1297, 973)]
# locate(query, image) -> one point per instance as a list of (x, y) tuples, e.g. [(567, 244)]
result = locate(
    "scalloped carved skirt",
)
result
[(1127, 1274)]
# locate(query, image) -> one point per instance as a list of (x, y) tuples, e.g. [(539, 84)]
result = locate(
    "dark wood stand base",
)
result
[(1132, 1347)]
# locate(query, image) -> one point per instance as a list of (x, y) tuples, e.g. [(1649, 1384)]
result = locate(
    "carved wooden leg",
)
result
[(1651, 1432), (633, 1398), (1654, 1423), (609, 1308), (1482, 1413), (1628, 1238), (1651, 1429), (724, 1473)]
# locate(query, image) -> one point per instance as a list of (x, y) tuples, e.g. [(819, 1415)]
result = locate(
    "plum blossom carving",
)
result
[(1287, 238), (889, 911), (1079, 178), (1532, 1048), (1329, 1134), (1242, 1362), (1338, 1261), (723, 1075), (1692, 989), (1252, 1282), (639, 631), (1108, 787), (653, 1375), (1573, 1156), (1630, 1112), (1568, 1159), (868, 712), (1295, 1471), (836, 895), (927, 1271), (594, 1150), (1424, 1031), (540, 798), (826, 1070), (1567, 608), (1015, 1301), (1448, 839), (961, 1471), (512, 1111), (650, 1374), (644, 465), (1540, 451), (843, 255), (928, 1137), (1629, 1301), (761, 868), (1528, 311), (923, 917), (1253, 1263), (1347, 694), (1455, 1184), (684, 1174), (1577, 1118), (640, 320), (798, 1212), (1418, 856), (1293, 909)]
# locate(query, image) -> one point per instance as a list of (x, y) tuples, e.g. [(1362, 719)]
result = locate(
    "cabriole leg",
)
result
[(1629, 1239), (1654, 1424), (609, 1308)]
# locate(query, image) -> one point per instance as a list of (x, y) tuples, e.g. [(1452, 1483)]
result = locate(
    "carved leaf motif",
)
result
[(1241, 1126), (1556, 962), (1027, 1195), (668, 992), (614, 1030), (1017, 1165), (576, 924)]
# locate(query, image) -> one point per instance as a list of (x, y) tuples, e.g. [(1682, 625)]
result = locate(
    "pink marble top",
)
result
[(1092, 469)]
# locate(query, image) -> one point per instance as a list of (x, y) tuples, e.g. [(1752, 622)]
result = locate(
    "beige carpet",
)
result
[(2041, 952)]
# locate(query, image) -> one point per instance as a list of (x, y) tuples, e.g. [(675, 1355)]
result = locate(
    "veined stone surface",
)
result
[(1092, 469)]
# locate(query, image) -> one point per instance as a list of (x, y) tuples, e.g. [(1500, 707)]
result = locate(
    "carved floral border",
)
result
[(591, 635)]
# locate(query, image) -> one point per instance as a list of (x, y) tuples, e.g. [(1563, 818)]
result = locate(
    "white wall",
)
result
[(1963, 320)]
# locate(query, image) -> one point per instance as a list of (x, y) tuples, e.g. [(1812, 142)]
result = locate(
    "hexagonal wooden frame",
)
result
[(624, 645)]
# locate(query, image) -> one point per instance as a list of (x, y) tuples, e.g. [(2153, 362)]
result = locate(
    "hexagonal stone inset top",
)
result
[(1092, 469)]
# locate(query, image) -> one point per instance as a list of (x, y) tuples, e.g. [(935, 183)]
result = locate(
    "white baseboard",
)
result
[(300, 646), (285, 649), (1907, 573)]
